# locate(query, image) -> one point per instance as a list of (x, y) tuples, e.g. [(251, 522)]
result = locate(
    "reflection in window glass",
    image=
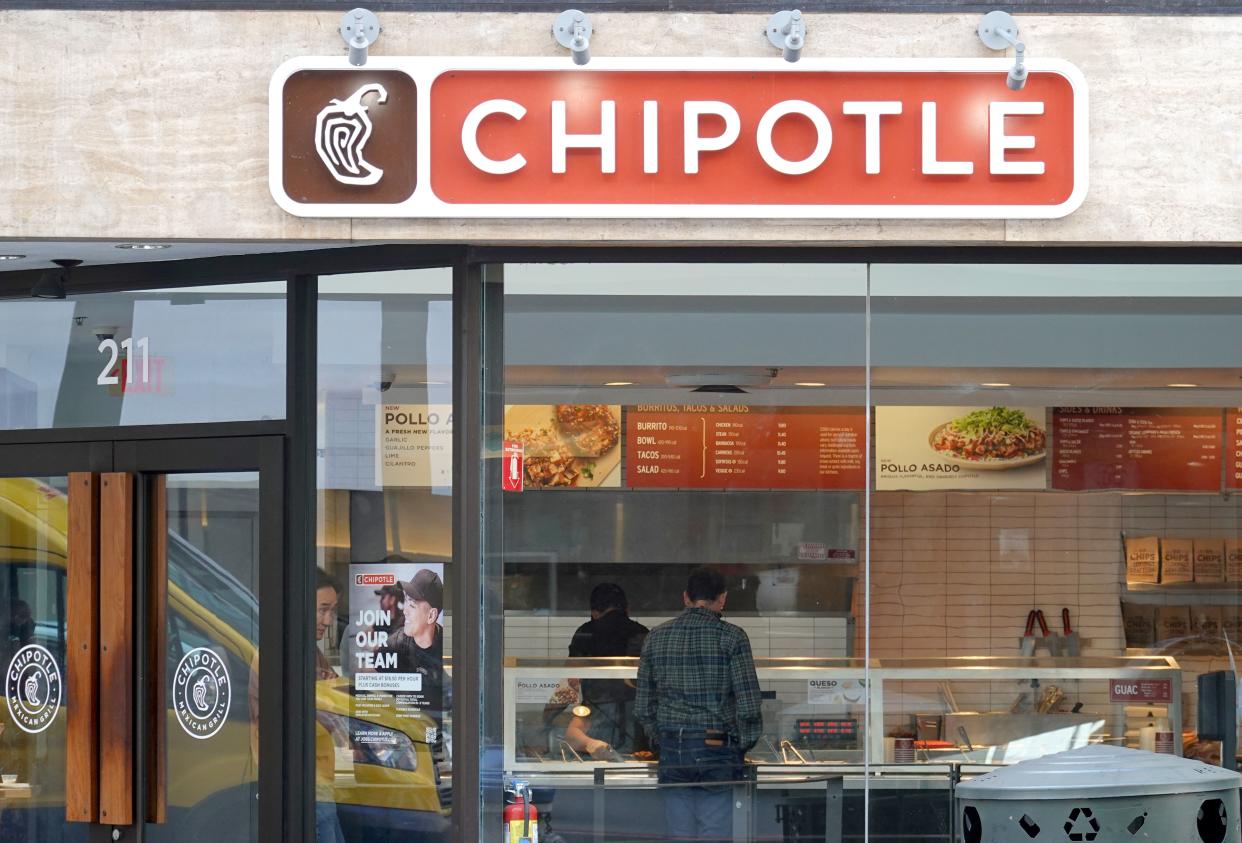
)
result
[(151, 357), (212, 663), (384, 692), (33, 627)]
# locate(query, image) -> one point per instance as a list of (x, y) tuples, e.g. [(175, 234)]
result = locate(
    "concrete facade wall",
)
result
[(129, 125)]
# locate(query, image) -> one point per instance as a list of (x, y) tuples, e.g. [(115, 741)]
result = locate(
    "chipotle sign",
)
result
[(424, 137)]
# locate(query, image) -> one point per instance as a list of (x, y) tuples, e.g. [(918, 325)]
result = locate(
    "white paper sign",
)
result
[(835, 691), (925, 448), (536, 690), (414, 445)]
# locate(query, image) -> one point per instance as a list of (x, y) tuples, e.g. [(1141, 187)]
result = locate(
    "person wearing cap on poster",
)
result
[(419, 645)]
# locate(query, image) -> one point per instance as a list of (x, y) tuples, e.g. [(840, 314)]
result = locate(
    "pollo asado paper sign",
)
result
[(922, 448), (690, 138)]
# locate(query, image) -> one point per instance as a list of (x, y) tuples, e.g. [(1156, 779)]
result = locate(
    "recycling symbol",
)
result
[(1081, 825)]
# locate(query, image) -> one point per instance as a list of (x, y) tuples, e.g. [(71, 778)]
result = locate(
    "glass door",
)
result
[(208, 527), (130, 582), (48, 707)]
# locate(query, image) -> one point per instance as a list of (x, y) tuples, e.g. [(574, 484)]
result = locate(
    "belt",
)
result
[(684, 732)]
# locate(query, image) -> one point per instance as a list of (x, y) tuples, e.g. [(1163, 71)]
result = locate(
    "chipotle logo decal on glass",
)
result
[(706, 138), (348, 137)]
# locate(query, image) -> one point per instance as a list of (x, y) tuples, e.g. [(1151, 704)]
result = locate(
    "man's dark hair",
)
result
[(705, 584), (325, 580), (608, 595)]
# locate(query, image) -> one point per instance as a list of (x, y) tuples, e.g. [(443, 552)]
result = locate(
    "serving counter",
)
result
[(955, 711), (899, 736)]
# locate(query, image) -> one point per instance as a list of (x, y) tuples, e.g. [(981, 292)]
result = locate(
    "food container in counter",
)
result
[(1004, 738)]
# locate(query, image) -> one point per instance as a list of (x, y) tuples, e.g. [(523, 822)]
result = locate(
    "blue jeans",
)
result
[(697, 783)]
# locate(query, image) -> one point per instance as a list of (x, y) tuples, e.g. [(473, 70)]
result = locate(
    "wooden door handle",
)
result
[(82, 650), (116, 649)]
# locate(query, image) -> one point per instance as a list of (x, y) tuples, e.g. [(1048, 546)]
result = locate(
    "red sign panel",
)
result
[(1159, 448), (375, 579), (1140, 690), (513, 472), (751, 138), (743, 447)]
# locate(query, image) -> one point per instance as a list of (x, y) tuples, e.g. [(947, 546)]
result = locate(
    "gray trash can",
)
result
[(1101, 794)]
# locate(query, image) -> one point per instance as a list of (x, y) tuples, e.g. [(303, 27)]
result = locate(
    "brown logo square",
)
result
[(348, 136)]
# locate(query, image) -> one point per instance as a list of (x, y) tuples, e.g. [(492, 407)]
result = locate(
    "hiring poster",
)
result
[(395, 638), (927, 448)]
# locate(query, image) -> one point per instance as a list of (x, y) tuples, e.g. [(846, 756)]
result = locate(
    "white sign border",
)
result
[(426, 205)]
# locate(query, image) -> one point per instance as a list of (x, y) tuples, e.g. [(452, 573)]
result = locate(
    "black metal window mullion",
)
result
[(477, 406), (287, 692)]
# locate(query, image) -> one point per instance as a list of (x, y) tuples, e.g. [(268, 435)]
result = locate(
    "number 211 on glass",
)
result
[(113, 349)]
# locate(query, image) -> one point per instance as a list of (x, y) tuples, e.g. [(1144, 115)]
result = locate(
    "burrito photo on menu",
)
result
[(1000, 436)]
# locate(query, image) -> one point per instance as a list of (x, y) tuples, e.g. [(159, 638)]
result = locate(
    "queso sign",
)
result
[(705, 138)]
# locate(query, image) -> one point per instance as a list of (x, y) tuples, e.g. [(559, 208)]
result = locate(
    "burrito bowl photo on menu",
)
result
[(996, 437)]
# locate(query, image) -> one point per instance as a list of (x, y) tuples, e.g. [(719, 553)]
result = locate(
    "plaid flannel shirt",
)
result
[(697, 671)]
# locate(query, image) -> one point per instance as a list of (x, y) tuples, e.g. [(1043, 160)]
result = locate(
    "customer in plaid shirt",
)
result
[(699, 695)]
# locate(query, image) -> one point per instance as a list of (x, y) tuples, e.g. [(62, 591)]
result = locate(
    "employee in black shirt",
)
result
[(610, 632)]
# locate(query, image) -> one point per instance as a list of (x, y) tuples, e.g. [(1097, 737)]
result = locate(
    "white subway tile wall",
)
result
[(543, 636), (955, 574)]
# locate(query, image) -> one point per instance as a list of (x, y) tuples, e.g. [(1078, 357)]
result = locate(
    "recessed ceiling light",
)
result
[(810, 383), (11, 257), (996, 384), (144, 247), (619, 383), (1182, 385)]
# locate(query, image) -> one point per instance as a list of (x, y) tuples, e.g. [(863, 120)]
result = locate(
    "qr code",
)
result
[(433, 734)]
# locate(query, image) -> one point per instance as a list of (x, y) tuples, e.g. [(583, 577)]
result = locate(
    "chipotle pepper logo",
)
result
[(342, 129), (349, 136)]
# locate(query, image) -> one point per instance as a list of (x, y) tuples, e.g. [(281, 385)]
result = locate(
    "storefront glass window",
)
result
[(175, 356), (919, 465), (660, 418), (1055, 461), (383, 690)]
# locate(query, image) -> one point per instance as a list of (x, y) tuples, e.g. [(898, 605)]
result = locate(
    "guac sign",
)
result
[(689, 138)]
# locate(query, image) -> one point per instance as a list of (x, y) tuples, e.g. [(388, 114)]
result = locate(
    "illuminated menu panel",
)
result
[(741, 447), (1158, 448)]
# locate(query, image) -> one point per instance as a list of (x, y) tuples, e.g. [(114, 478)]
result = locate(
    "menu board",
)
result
[(1158, 448), (925, 448), (743, 447), (1233, 448)]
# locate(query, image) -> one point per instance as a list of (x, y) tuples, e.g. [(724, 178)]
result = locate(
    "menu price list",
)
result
[(1233, 444), (1144, 448), (741, 447)]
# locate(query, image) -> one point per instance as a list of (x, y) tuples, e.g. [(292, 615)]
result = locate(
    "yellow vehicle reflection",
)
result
[(390, 782)]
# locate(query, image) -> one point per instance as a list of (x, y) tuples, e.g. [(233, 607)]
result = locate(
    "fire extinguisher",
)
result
[(521, 816)]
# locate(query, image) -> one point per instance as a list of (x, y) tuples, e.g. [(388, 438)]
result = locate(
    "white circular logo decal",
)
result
[(32, 688), (201, 693)]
